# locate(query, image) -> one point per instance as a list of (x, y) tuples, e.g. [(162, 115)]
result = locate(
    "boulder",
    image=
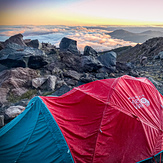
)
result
[(51, 83), (34, 44), (72, 74), (15, 55), (89, 64), (37, 82), (13, 111), (36, 62), (15, 82), (17, 39), (108, 60), (88, 50), (67, 44)]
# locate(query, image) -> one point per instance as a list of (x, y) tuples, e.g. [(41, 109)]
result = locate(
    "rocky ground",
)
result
[(29, 68)]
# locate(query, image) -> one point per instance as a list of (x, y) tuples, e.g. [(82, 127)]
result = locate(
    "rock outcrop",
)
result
[(67, 44), (108, 60), (89, 51), (14, 55), (17, 39), (15, 82)]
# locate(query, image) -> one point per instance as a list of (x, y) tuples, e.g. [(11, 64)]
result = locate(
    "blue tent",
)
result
[(33, 136)]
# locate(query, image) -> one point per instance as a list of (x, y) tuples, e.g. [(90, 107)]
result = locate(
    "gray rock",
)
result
[(34, 43), (51, 83), (67, 44), (73, 74), (88, 50), (90, 64), (2, 120), (37, 82), (13, 111), (18, 39), (108, 60), (36, 62), (62, 90)]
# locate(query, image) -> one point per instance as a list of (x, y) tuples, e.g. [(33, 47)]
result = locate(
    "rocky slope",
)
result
[(29, 68)]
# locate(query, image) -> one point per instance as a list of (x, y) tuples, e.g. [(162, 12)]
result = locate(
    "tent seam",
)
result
[(58, 129), (28, 138), (106, 104)]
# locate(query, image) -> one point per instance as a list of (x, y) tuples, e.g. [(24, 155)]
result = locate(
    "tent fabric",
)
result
[(110, 120), (33, 137)]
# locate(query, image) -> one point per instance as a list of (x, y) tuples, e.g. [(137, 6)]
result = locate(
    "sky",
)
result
[(81, 12)]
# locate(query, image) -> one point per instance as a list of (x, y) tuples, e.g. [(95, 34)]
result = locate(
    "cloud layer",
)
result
[(95, 37)]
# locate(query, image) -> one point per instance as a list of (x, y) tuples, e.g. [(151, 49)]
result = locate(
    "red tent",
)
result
[(106, 121), (111, 120)]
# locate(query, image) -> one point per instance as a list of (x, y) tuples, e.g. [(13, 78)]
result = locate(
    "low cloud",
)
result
[(94, 37)]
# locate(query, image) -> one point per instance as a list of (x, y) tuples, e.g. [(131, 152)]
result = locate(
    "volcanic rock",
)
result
[(108, 60), (67, 44), (18, 39), (88, 50), (34, 44)]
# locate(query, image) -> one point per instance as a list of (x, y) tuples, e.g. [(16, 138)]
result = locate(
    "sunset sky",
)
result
[(81, 12)]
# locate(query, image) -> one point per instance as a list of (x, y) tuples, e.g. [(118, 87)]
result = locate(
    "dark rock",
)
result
[(67, 44), (15, 55), (108, 60), (2, 45), (88, 50), (36, 62), (34, 44), (18, 39), (90, 64), (62, 90), (70, 60), (73, 74)]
